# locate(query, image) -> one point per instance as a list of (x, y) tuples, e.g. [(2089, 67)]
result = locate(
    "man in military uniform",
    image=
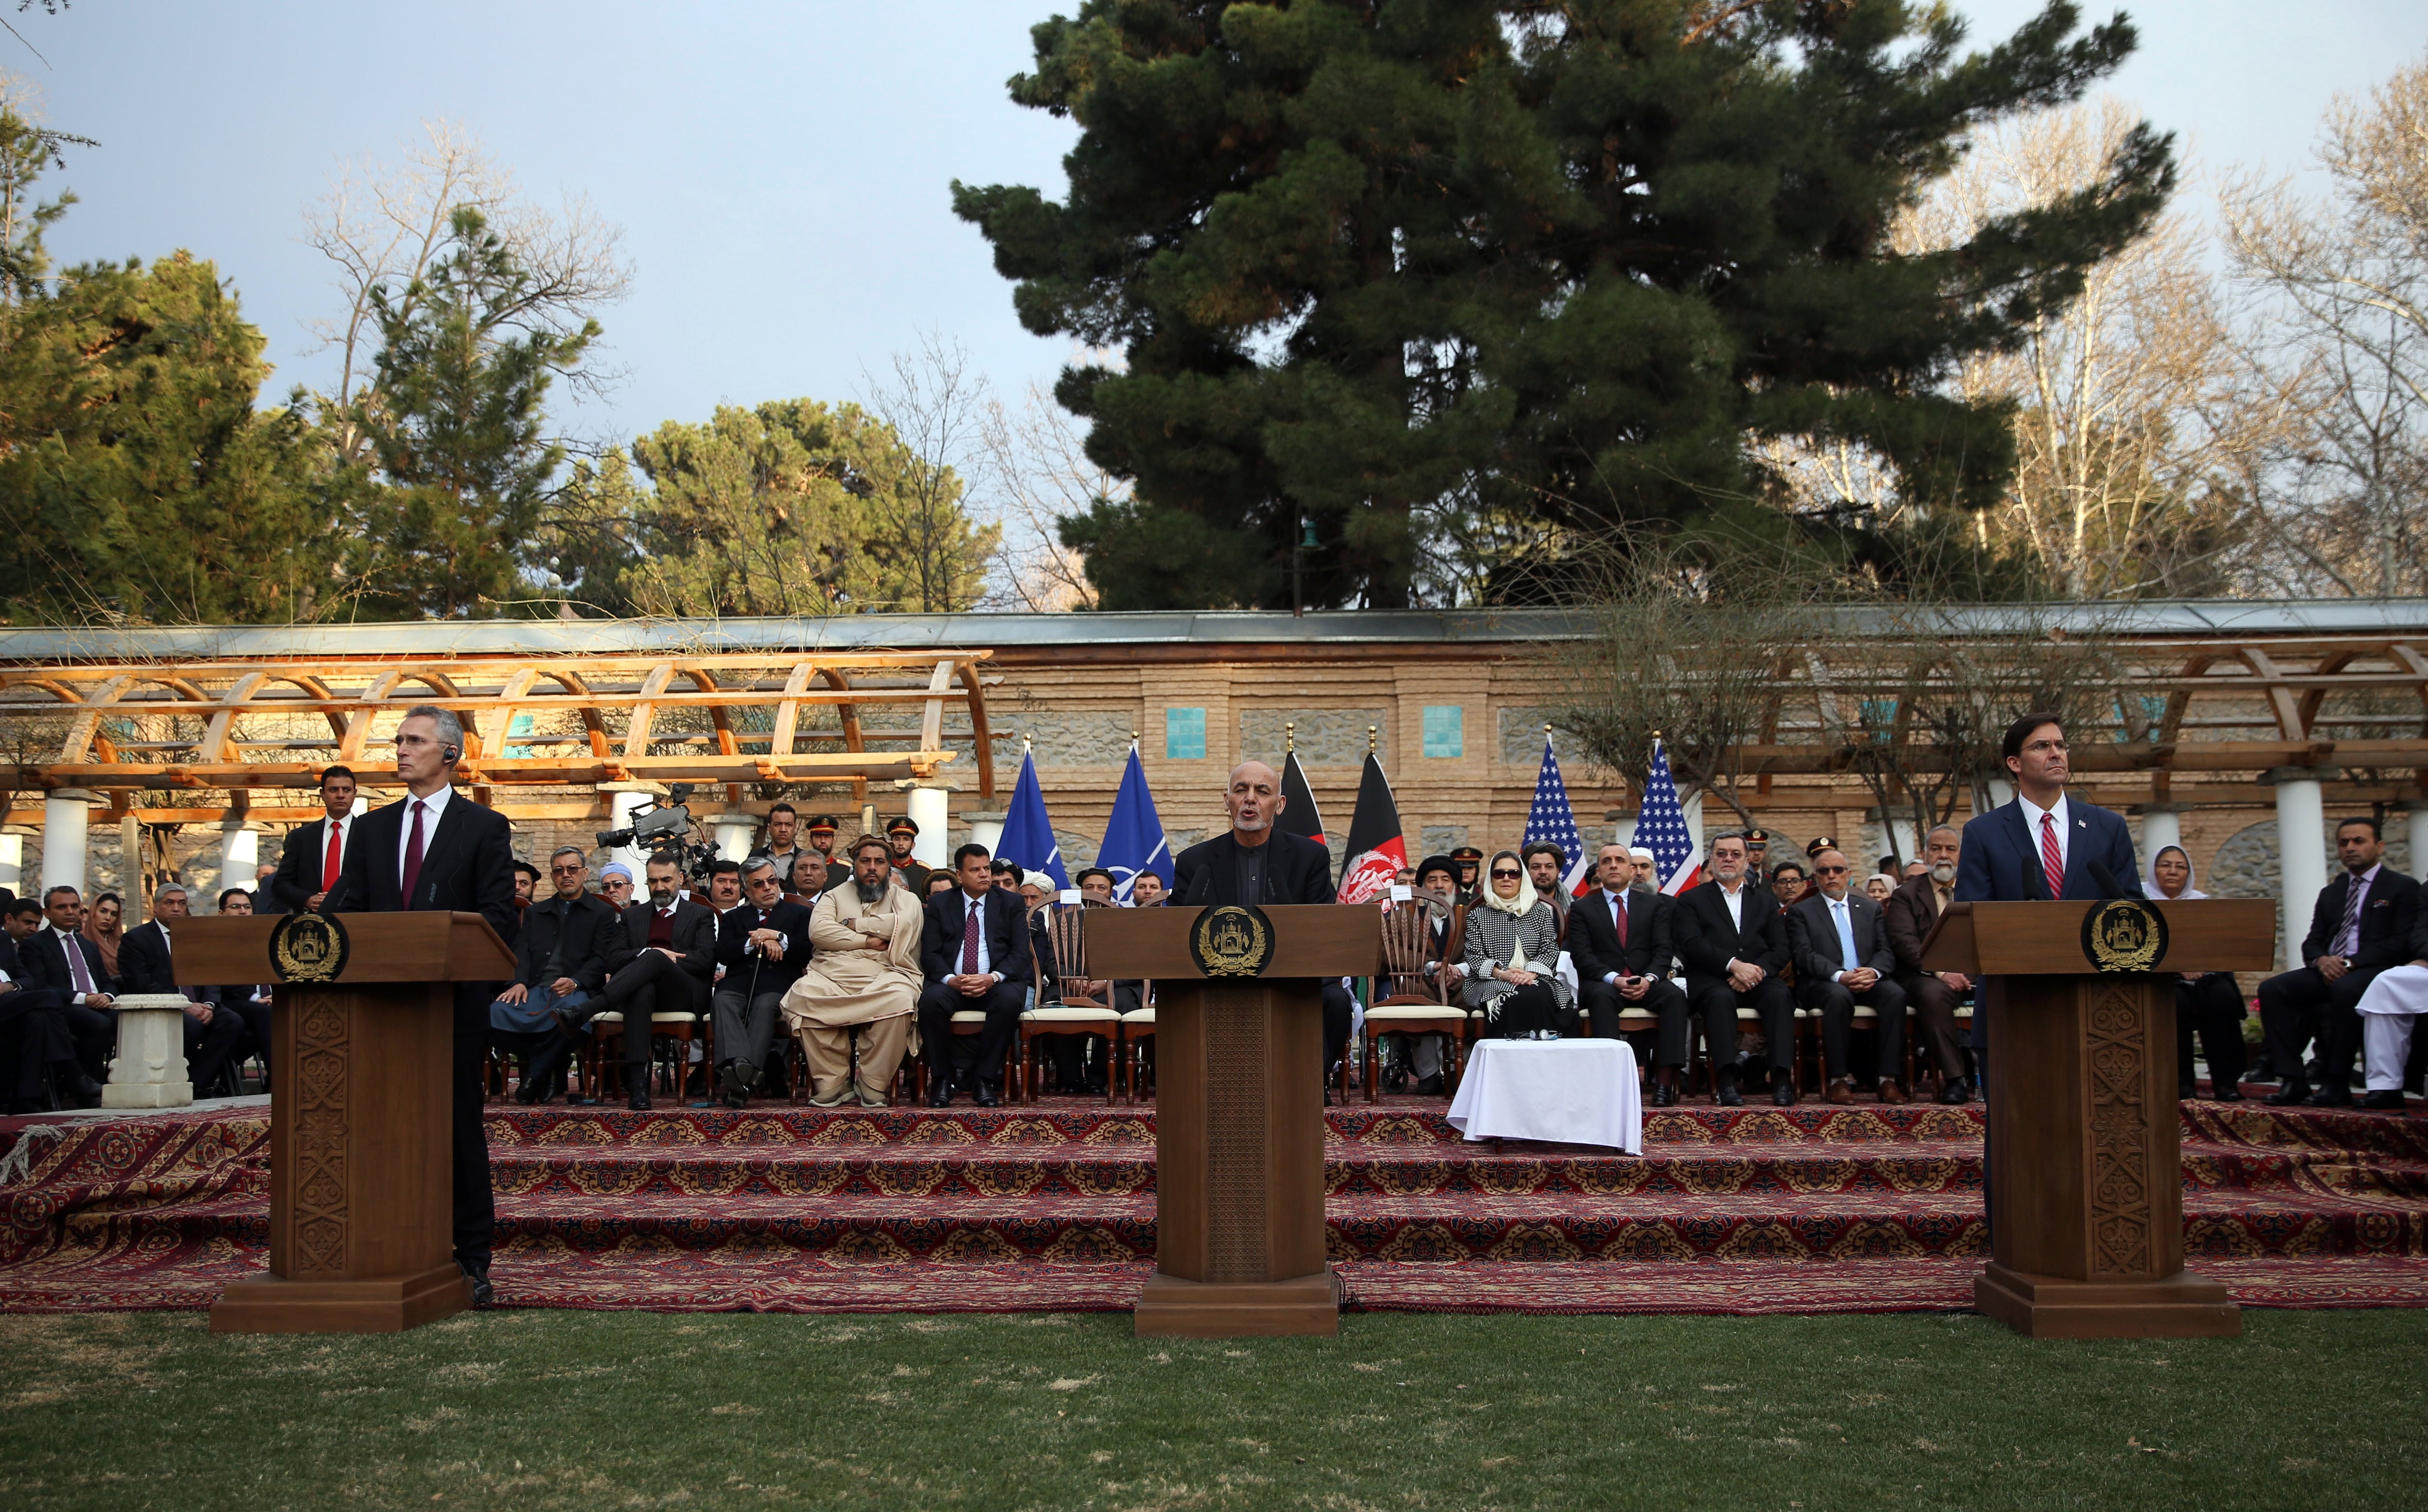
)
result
[(822, 837), (1470, 861), (901, 833)]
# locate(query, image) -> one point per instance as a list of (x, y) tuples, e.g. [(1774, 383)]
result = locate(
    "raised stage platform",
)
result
[(1741, 1210)]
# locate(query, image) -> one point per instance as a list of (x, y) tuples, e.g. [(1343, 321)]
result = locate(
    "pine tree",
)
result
[(1568, 260)]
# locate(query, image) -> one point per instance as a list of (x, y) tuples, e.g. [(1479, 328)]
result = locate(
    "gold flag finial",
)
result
[(1289, 735), (1371, 730)]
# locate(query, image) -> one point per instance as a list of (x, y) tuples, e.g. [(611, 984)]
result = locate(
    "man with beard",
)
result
[(1910, 911), (865, 970)]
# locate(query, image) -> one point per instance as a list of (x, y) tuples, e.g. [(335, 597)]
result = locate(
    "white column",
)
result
[(986, 829), (66, 815), (2301, 854), (2415, 829), (621, 807), (932, 811), (733, 832), (2162, 826), (240, 853), (13, 863)]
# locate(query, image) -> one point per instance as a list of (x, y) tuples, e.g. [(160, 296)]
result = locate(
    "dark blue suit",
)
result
[(2000, 861)]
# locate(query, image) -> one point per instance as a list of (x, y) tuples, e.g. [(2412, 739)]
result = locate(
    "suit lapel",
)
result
[(2033, 878), (451, 823)]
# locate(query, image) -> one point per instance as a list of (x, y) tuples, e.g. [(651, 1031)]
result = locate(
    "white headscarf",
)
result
[(2150, 888), (1518, 907)]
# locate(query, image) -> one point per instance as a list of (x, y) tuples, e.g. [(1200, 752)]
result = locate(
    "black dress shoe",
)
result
[(737, 1076), (1432, 1086), (2291, 1093), (1665, 1095), (986, 1096), (2329, 1095), (1954, 1093), (940, 1093), (1782, 1092), (1728, 1095), (2227, 1094), (484, 1294), (2388, 1101), (638, 1102), (735, 1101), (527, 1094), (568, 1020)]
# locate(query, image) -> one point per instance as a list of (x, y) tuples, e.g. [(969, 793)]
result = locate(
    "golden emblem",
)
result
[(307, 948), (2125, 935), (1231, 941)]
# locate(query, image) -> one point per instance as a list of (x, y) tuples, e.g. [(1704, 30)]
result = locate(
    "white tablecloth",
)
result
[(1570, 1092)]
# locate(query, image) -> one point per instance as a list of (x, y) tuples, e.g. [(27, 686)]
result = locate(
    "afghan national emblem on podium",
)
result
[(1231, 941), (307, 948), (2125, 935)]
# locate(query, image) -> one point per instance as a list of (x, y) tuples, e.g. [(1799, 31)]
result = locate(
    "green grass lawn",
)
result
[(532, 1410)]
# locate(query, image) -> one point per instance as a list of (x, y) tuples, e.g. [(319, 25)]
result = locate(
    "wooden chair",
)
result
[(1068, 1014), (1137, 1033), (678, 1028), (1408, 1001)]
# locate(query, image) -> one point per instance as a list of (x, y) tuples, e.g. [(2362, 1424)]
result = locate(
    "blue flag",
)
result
[(1134, 840), (1028, 840)]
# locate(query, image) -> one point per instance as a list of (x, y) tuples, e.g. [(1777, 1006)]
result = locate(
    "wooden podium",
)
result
[(1239, 1117), (2084, 1164), (361, 1151)]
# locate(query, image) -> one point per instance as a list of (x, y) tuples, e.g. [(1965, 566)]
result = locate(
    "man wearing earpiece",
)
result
[(437, 850)]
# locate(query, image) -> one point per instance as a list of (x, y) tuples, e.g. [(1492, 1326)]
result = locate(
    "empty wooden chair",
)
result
[(1409, 999)]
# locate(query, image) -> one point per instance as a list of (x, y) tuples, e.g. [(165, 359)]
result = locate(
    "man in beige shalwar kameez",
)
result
[(865, 971)]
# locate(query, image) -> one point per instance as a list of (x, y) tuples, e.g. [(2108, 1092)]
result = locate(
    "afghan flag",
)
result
[(1377, 850), (1298, 815)]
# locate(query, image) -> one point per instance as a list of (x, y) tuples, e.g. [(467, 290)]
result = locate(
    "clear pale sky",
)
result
[(781, 170)]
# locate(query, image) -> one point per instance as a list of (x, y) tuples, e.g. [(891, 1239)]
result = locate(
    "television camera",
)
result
[(667, 827)]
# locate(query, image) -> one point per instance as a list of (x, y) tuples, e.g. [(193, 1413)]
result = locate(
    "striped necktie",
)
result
[(2052, 862)]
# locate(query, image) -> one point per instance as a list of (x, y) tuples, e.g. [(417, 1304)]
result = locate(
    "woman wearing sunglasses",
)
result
[(1513, 955)]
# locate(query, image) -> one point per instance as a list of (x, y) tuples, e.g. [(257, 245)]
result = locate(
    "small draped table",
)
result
[(1563, 1092)]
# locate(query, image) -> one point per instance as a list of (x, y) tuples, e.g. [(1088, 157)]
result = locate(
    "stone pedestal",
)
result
[(150, 1071)]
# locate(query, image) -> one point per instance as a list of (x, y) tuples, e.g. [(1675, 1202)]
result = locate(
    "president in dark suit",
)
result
[(1619, 942), (1731, 935), (2360, 924), (1256, 863), (661, 958), (434, 851), (314, 856), (2043, 846), (1840, 944), (982, 970)]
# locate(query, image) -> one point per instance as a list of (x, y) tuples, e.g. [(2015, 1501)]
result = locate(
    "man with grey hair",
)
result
[(560, 960), (146, 963), (761, 944), (1908, 914), (432, 851)]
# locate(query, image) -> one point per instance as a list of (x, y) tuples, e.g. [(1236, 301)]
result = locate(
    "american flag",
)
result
[(1552, 819), (1661, 829)]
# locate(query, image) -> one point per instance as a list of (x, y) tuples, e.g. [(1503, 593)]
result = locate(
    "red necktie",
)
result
[(970, 928), (2052, 863), (330, 866), (1618, 916), (413, 855)]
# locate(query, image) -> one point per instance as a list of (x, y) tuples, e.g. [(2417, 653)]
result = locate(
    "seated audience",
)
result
[(1147, 891), (1007, 874), (1733, 941), (148, 965), (1915, 868), (762, 947), (525, 885), (2208, 1003), (1436, 890), (975, 958), (105, 925), (1618, 937), (1787, 881), (1546, 864), (1934, 995), (1840, 949), (2360, 925), (616, 885), (943, 883), (560, 960), (57, 957), (864, 972), (661, 957), (807, 881), (1513, 953), (1878, 885), (724, 885), (264, 903), (37, 1050)]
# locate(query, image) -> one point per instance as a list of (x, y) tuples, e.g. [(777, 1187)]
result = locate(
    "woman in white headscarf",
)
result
[(2206, 1002), (1513, 955)]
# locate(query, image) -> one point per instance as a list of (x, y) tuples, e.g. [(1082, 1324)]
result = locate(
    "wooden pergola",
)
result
[(182, 742)]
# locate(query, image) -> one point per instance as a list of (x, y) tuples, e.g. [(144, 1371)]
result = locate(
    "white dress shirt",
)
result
[(431, 807), (1734, 898), (2032, 812), (1617, 902), (974, 922)]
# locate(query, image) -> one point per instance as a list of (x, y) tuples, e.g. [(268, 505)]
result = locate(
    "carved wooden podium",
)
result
[(2084, 1164), (361, 1215), (1238, 1118)]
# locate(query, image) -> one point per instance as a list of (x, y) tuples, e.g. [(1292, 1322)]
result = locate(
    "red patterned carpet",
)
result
[(1754, 1210)]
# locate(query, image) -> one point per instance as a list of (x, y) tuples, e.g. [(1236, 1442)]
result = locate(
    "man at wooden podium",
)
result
[(437, 851), (1259, 863)]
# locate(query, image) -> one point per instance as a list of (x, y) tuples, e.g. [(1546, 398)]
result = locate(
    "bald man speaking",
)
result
[(1259, 863)]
